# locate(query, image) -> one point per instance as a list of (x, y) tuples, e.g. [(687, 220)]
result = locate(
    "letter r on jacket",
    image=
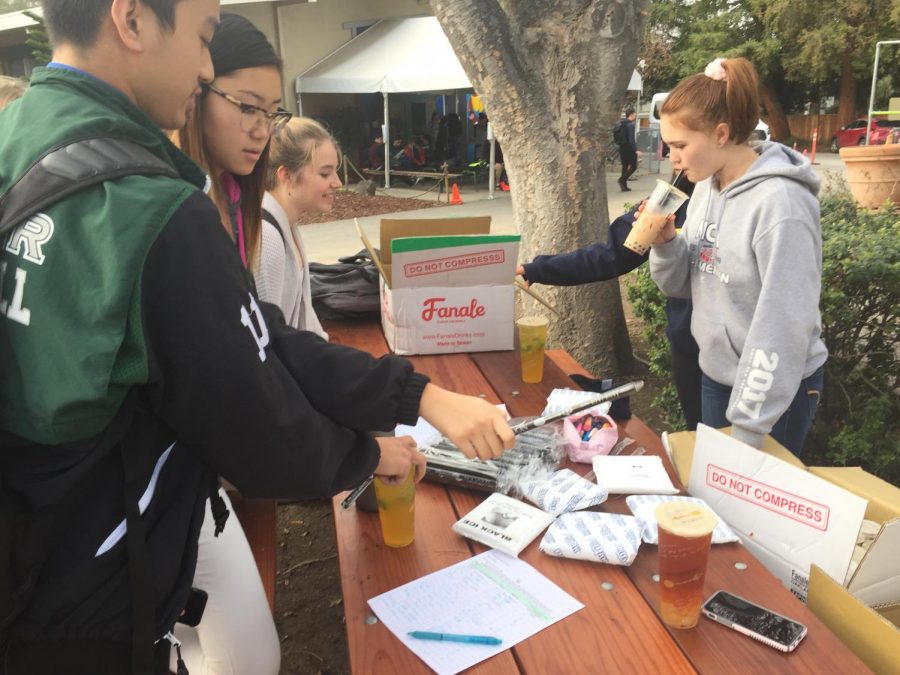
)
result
[(258, 329)]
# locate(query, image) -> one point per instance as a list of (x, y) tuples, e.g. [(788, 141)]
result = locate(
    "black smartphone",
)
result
[(761, 624), (193, 609)]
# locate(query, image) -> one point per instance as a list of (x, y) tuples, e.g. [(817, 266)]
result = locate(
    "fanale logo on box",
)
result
[(432, 308)]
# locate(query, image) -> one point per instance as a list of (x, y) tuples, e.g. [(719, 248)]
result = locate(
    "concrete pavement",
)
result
[(326, 242)]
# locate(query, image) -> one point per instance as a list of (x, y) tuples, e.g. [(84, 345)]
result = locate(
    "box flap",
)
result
[(876, 580), (681, 444), (372, 253), (871, 636), (884, 498), (392, 228)]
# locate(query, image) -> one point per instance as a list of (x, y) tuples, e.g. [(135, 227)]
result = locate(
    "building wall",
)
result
[(305, 33)]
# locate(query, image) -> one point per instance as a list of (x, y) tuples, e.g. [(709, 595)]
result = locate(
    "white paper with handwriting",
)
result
[(491, 594)]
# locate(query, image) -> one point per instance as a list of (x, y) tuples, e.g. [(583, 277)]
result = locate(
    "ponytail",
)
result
[(727, 91)]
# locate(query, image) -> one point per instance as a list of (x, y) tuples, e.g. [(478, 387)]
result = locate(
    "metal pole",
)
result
[(872, 92), (387, 142), (491, 156), (874, 78)]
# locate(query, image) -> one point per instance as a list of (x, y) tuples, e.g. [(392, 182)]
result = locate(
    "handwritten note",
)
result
[(490, 594)]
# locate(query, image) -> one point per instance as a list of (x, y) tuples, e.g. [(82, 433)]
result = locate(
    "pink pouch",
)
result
[(600, 442)]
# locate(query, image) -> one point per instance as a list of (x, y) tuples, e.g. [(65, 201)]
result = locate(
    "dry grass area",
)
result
[(352, 204)]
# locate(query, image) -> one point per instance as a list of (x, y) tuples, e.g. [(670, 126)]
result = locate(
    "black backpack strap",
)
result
[(269, 218), (69, 168)]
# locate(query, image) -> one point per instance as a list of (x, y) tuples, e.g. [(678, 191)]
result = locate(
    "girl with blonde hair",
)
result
[(302, 177), (11, 88)]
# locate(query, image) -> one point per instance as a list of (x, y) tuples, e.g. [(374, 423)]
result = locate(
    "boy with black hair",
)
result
[(136, 363)]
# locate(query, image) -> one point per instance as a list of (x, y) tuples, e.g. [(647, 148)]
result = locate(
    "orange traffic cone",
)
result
[(454, 195)]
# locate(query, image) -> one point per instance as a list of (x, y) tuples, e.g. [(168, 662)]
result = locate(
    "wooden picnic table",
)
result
[(619, 630)]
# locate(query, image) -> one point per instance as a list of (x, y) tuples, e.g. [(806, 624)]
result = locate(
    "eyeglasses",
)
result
[(253, 116)]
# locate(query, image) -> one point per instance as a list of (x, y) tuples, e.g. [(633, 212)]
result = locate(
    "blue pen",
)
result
[(450, 637)]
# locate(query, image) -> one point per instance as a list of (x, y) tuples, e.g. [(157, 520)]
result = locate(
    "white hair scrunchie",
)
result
[(714, 70)]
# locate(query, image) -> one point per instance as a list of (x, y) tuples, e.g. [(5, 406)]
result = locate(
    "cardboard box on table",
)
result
[(446, 285), (873, 634)]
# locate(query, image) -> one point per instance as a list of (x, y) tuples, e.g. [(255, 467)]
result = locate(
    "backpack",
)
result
[(26, 534), (347, 289), (619, 135)]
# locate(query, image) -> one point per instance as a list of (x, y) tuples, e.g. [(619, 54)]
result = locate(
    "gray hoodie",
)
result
[(750, 258)]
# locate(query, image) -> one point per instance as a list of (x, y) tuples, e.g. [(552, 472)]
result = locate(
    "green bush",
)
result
[(858, 419)]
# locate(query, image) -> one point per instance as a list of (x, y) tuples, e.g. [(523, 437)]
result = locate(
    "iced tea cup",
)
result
[(532, 341), (685, 533), (663, 202), (397, 510)]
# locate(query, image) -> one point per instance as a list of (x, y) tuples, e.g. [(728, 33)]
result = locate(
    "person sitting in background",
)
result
[(412, 156), (376, 153)]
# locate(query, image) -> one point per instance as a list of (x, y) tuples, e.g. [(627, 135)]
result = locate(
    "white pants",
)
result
[(237, 634)]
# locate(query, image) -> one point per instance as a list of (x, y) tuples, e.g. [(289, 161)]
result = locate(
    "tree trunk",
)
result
[(552, 75), (779, 128), (847, 92)]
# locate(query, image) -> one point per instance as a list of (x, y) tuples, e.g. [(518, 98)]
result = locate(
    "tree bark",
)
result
[(552, 75), (847, 92), (779, 128)]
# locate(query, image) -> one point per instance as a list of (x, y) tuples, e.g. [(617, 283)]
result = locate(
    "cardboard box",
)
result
[(872, 633), (786, 517), (865, 614), (446, 286)]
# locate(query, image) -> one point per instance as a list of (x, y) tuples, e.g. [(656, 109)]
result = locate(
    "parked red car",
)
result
[(855, 133)]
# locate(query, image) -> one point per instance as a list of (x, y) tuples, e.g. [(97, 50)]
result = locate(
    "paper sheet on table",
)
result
[(424, 434), (490, 594)]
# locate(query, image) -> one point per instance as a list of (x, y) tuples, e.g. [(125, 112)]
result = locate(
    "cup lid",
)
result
[(671, 189), (685, 519), (532, 321)]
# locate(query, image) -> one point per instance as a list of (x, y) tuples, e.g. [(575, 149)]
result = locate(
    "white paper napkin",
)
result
[(599, 537), (562, 492), (632, 475), (644, 509)]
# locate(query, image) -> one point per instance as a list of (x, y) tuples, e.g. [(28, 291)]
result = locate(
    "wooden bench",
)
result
[(444, 175), (259, 520)]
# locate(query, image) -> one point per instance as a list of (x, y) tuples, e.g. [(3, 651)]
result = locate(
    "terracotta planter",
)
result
[(873, 173)]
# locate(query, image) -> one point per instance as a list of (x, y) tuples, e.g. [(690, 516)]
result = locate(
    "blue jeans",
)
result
[(791, 428)]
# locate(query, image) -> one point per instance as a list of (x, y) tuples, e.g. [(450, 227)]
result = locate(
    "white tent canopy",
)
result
[(394, 55)]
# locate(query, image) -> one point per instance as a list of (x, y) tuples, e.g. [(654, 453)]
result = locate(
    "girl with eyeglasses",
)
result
[(227, 134)]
